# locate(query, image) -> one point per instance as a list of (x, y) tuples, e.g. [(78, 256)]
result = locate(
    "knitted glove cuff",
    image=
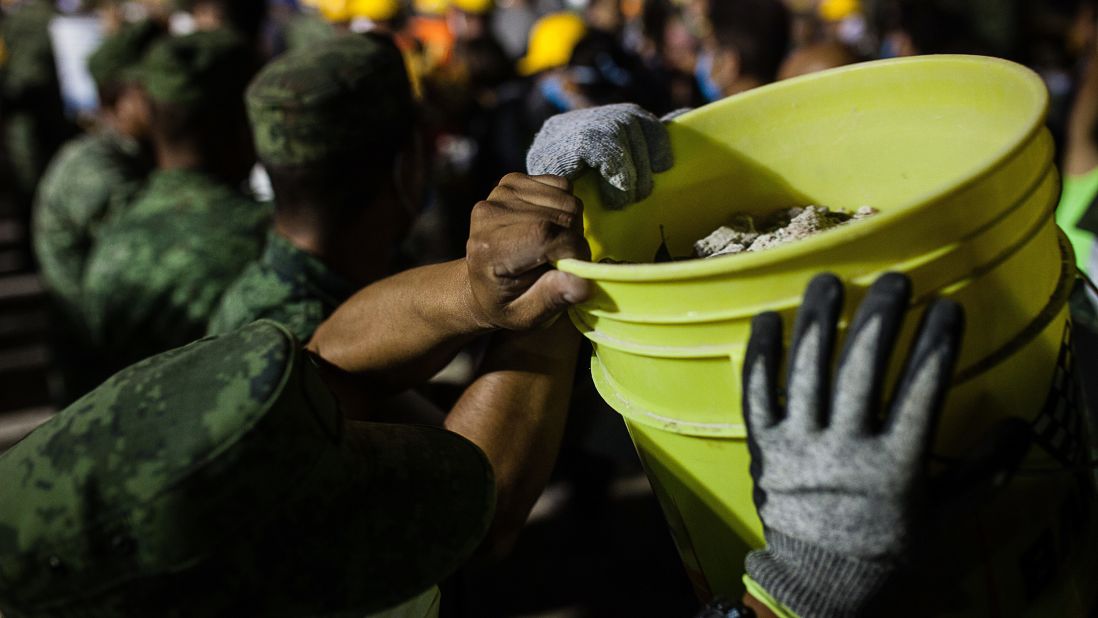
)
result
[(815, 582)]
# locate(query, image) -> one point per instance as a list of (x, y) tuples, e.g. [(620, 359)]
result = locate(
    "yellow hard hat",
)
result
[(430, 7), (838, 10), (476, 7), (552, 40), (332, 10), (374, 10)]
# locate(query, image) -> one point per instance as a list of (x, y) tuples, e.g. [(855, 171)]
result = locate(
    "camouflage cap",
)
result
[(346, 94), (221, 479), (200, 69), (121, 52)]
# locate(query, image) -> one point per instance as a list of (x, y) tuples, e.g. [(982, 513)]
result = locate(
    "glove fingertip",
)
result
[(662, 161), (613, 197)]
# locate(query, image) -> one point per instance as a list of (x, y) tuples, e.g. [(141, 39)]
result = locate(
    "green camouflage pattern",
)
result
[(220, 479), (346, 94), (159, 269), (90, 177), (197, 70), (113, 62), (33, 120), (304, 30), (286, 285)]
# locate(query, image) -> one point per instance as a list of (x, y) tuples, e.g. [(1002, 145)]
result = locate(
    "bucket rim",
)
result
[(1025, 78), (1048, 182)]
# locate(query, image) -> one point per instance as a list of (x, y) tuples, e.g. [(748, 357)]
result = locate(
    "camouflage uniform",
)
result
[(286, 285), (34, 125), (220, 479), (90, 175), (309, 108), (158, 270), (74, 199)]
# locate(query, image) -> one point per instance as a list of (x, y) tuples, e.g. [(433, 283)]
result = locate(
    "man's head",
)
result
[(195, 84), (245, 17), (749, 40), (333, 125), (112, 66), (816, 57)]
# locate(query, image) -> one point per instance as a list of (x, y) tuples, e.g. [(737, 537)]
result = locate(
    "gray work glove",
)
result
[(624, 143), (839, 477)]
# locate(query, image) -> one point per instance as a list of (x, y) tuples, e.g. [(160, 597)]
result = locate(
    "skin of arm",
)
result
[(515, 411), (398, 332), (402, 330)]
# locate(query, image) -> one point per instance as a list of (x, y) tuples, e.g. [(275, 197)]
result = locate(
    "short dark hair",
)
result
[(758, 31), (246, 17), (341, 186), (205, 128)]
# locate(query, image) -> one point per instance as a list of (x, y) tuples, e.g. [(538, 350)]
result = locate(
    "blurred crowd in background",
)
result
[(488, 73)]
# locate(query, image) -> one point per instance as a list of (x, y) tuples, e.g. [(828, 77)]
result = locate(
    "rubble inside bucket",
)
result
[(745, 234)]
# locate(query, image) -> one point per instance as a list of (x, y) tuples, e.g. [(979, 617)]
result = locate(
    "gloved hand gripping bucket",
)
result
[(952, 151)]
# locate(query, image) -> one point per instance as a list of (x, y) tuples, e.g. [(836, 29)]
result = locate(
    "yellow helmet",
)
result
[(838, 10), (476, 7), (430, 7), (374, 10), (332, 10), (552, 40)]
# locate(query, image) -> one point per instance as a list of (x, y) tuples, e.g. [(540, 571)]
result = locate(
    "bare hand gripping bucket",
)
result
[(952, 152)]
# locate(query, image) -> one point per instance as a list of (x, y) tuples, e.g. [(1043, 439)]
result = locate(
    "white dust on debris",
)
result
[(745, 235)]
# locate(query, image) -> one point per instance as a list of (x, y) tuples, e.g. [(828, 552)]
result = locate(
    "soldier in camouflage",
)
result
[(34, 125), (221, 479), (96, 171), (159, 268), (329, 124)]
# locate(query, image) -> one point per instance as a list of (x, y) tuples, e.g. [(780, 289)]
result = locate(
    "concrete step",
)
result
[(21, 288)]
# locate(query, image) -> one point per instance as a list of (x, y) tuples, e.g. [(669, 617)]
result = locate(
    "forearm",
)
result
[(401, 330), (515, 412)]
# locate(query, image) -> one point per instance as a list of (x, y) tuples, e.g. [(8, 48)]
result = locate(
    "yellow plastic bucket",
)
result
[(951, 150)]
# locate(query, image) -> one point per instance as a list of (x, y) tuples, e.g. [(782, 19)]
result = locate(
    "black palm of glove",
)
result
[(836, 480)]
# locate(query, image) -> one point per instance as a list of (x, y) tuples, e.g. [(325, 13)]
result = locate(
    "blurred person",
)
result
[(845, 21), (1076, 213), (816, 57), (159, 268), (92, 177), (540, 91), (304, 28), (601, 71), (333, 127), (983, 27), (470, 19), (470, 107), (33, 122), (604, 16), (670, 50), (748, 42), (382, 16), (512, 21), (246, 18), (91, 173), (552, 39)]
